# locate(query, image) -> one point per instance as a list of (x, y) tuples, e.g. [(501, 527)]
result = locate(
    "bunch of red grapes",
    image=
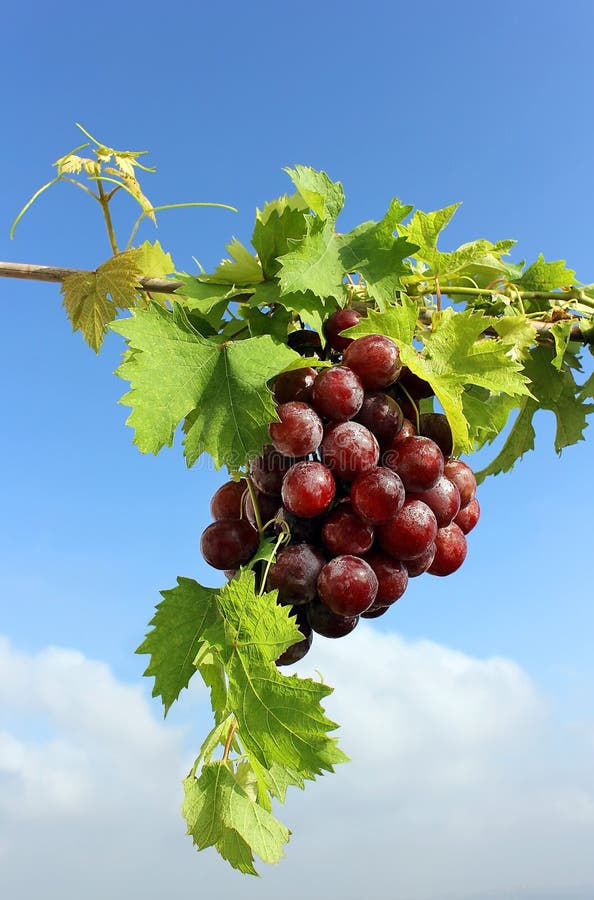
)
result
[(367, 498)]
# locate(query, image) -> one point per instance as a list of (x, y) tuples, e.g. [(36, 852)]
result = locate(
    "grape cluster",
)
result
[(366, 498)]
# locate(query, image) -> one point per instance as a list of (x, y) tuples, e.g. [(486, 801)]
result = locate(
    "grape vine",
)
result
[(338, 377)]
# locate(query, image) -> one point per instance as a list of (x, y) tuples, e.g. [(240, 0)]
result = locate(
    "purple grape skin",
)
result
[(410, 532), (374, 612), (418, 388), (268, 506), (463, 477), (298, 650), (450, 551), (381, 415), (268, 470), (308, 489), (347, 585), (468, 517), (227, 501), (299, 431), (305, 341), (337, 322), (377, 496), (344, 532), (294, 385), (229, 543), (420, 564), (294, 574), (303, 531), (392, 577), (418, 460), (337, 393), (443, 498), (349, 449), (323, 621), (376, 360), (437, 427)]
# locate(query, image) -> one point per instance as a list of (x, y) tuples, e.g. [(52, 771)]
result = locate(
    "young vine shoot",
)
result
[(338, 377)]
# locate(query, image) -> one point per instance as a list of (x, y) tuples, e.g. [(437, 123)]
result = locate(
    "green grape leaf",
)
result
[(546, 276), (311, 309), (280, 205), (92, 299), (243, 268), (486, 414), (181, 618), (219, 813), (276, 236), (152, 260), (424, 230), (323, 196), (280, 718), (174, 371), (480, 258), (314, 265), (372, 250), (561, 332), (517, 333), (558, 393), (276, 323), (456, 354)]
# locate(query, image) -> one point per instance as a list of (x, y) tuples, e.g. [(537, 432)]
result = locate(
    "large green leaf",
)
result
[(324, 196), (314, 265)]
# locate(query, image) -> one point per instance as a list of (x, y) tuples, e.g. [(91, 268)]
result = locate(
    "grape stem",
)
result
[(254, 500), (229, 740)]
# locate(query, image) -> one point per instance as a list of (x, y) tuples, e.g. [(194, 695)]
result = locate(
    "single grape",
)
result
[(381, 415), (229, 543), (328, 624), (463, 477), (305, 342), (294, 574), (378, 495), (294, 385), (299, 431), (420, 564), (347, 585), (376, 360), (337, 322), (298, 650), (418, 388), (410, 532), (374, 612), (437, 427), (308, 489), (418, 460), (337, 393), (302, 531), (468, 517), (392, 577), (267, 471), (227, 501), (450, 550), (268, 506), (443, 498), (349, 449), (343, 532)]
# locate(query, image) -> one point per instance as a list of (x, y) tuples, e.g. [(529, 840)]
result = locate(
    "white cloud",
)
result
[(462, 785)]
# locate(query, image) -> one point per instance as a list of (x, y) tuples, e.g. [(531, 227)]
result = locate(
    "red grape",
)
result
[(298, 650), (227, 501), (420, 564), (305, 342), (463, 477), (229, 543), (437, 427), (308, 489), (375, 358), (417, 387), (410, 532), (267, 471), (268, 507), (450, 550), (337, 322), (325, 622), (349, 449), (299, 431), (294, 574), (443, 498), (418, 460), (391, 575), (381, 414), (337, 393), (344, 532), (377, 496), (347, 585), (294, 385), (469, 516)]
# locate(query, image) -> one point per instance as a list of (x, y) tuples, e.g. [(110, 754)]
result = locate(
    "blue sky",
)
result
[(491, 106)]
